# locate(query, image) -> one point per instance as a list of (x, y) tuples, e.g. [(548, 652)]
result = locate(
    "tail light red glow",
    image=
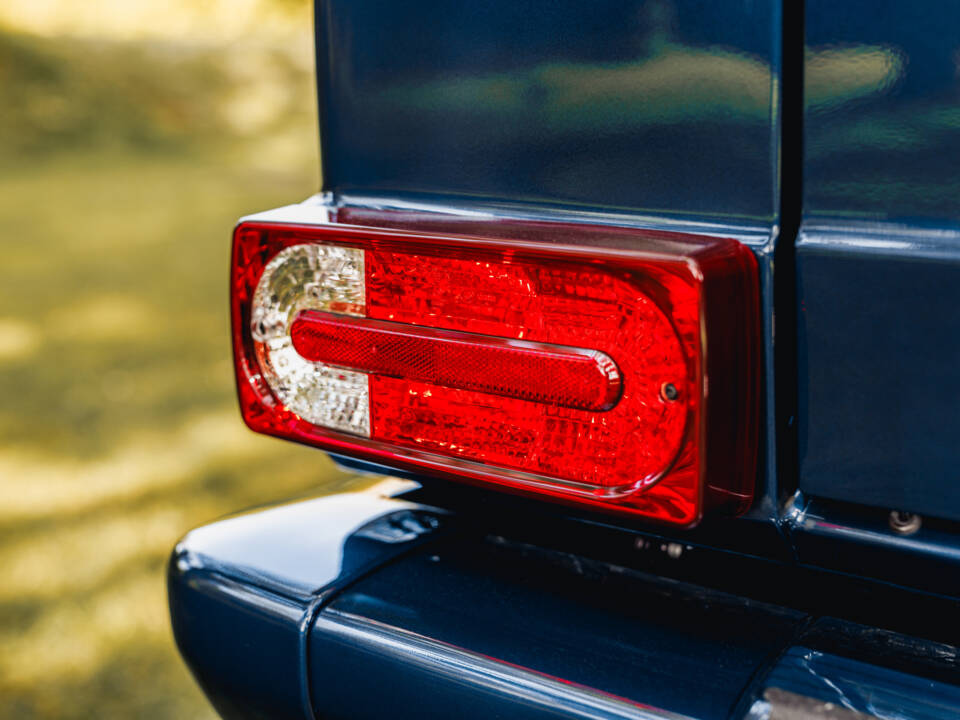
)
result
[(581, 374)]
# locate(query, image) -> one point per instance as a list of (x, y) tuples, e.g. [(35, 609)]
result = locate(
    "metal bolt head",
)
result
[(669, 392), (904, 523)]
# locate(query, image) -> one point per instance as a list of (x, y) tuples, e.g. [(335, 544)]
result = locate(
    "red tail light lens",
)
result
[(578, 374)]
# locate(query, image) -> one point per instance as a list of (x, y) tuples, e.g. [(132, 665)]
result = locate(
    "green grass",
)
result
[(118, 425)]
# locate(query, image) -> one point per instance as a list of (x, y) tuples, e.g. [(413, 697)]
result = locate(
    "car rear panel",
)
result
[(681, 115), (879, 257)]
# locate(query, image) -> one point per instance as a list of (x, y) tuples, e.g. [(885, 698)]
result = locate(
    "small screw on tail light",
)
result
[(621, 379)]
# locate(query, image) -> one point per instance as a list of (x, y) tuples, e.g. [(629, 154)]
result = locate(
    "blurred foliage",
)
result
[(173, 20), (291, 6), (60, 94), (123, 167)]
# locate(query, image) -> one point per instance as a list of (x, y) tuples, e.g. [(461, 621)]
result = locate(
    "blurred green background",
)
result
[(132, 136)]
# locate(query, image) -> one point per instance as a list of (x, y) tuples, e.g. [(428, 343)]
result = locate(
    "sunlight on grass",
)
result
[(184, 18), (74, 638), (105, 317), (130, 470), (17, 339)]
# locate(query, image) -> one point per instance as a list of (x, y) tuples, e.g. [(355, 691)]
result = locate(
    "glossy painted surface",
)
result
[(428, 614), (883, 109), (674, 647), (482, 628), (248, 545), (860, 541), (241, 641), (670, 105), (243, 592), (878, 257), (427, 678), (880, 389)]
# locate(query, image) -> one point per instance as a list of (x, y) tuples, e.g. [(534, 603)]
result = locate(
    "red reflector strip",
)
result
[(551, 374)]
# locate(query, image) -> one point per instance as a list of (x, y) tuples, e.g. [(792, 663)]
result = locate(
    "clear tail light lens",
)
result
[(623, 380)]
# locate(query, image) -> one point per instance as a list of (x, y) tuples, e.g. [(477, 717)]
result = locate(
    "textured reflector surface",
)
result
[(549, 374)]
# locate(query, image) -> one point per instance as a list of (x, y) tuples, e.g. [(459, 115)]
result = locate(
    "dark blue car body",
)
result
[(823, 135)]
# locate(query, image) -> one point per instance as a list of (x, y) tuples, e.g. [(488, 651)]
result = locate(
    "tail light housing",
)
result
[(610, 368)]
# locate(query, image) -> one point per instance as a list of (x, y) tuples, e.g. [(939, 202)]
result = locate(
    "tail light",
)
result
[(624, 379)]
